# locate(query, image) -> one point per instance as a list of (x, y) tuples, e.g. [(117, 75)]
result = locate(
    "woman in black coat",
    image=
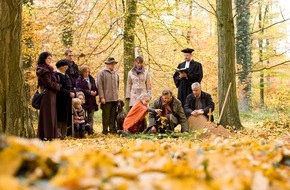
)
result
[(86, 84), (47, 122), (64, 99)]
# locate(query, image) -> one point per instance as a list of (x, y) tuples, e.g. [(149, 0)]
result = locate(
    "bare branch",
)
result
[(264, 68)]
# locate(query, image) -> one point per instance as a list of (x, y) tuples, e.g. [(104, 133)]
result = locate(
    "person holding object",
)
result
[(187, 73), (86, 84), (172, 111), (63, 99), (47, 121), (198, 102), (108, 88), (138, 81), (135, 121)]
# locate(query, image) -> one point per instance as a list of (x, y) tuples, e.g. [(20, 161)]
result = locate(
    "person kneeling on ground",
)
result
[(172, 114), (198, 102), (135, 121)]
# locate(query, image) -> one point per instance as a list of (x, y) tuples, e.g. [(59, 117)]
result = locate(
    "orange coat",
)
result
[(136, 114)]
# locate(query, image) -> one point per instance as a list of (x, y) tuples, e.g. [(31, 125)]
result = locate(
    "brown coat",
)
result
[(108, 85), (47, 123), (137, 84)]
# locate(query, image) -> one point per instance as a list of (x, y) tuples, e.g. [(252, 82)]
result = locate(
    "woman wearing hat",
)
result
[(64, 99), (108, 88), (86, 84), (47, 122)]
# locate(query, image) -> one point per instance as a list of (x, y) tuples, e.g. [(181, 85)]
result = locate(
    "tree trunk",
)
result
[(15, 117), (243, 52), (226, 64), (129, 37), (261, 59)]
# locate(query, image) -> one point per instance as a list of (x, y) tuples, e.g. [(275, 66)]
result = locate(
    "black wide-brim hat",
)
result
[(187, 50), (111, 60), (61, 63)]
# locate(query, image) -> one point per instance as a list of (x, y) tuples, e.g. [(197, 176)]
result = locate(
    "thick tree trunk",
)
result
[(15, 117), (129, 38), (243, 52), (226, 63)]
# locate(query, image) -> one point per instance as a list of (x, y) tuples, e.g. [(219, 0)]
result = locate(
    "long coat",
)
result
[(63, 99), (194, 74), (177, 111), (82, 85), (137, 84), (206, 102), (108, 85), (47, 122)]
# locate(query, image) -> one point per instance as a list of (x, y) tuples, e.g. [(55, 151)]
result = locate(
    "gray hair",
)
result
[(195, 84), (143, 96)]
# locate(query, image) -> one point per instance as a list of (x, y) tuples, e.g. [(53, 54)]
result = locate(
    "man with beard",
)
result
[(171, 115)]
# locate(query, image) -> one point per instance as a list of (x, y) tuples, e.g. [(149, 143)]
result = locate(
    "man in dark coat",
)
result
[(73, 70), (171, 110), (187, 73), (198, 102)]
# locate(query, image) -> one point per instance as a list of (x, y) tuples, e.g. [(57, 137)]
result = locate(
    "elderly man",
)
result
[(198, 102), (187, 72), (171, 115)]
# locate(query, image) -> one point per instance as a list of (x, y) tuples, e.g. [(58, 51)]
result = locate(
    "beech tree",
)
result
[(226, 63)]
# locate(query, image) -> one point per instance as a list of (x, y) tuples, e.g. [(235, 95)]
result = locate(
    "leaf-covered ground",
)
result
[(256, 158)]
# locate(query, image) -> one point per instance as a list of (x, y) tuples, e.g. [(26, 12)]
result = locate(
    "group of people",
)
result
[(73, 91)]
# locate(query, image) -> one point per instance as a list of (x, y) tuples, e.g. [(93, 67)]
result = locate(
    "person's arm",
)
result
[(187, 107), (209, 104), (197, 74), (182, 118), (152, 116), (100, 85), (46, 80), (148, 83), (129, 86), (176, 77)]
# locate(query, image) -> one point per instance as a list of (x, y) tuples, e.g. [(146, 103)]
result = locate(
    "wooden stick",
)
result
[(224, 104)]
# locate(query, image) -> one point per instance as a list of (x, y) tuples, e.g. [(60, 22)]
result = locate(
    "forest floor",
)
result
[(257, 157)]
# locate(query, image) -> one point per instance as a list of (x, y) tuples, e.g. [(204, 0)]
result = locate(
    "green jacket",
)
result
[(177, 111)]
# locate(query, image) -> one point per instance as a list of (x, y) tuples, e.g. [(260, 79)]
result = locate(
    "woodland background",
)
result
[(245, 42)]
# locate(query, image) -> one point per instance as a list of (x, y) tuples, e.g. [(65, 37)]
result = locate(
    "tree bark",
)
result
[(226, 64), (129, 38), (15, 117)]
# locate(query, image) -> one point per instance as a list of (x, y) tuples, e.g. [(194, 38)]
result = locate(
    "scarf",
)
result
[(138, 71)]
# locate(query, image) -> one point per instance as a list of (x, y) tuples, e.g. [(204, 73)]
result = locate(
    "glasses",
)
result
[(70, 55)]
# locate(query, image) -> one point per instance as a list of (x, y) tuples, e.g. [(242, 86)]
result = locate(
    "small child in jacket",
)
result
[(88, 129), (78, 118)]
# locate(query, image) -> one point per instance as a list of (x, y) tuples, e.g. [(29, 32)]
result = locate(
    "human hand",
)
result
[(72, 94), (93, 93), (158, 111), (200, 111), (194, 113), (103, 101)]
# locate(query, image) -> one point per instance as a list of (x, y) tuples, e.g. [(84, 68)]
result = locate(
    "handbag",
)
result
[(36, 99)]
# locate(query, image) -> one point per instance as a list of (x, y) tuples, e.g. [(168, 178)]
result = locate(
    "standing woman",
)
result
[(86, 84), (47, 123), (64, 98), (138, 81)]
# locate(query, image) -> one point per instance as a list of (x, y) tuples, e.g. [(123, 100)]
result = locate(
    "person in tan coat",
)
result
[(138, 81), (108, 89)]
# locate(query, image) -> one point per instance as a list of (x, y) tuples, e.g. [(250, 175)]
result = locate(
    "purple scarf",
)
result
[(138, 71)]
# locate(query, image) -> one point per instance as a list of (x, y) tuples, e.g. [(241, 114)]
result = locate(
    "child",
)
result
[(88, 129), (78, 118)]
